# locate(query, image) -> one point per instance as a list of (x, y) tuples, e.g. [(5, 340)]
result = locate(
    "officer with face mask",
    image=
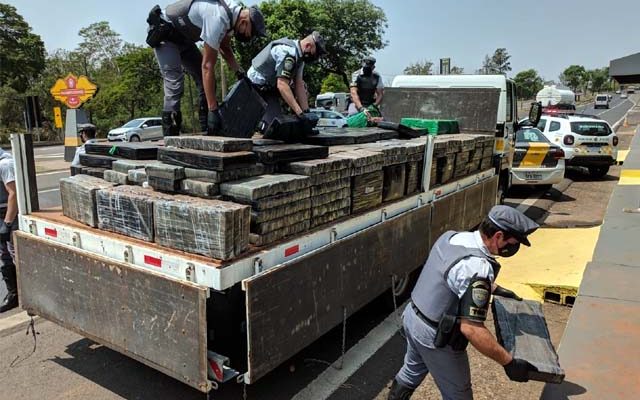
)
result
[(277, 72), (449, 305), (173, 34), (366, 87)]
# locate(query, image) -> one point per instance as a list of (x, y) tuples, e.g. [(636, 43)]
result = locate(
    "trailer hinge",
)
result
[(190, 272), (334, 235), (33, 228), (128, 254), (76, 239), (384, 215), (257, 265)]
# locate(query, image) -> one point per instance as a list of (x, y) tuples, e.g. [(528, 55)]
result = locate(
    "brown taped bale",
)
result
[(366, 191), (211, 160), (251, 189), (393, 186), (118, 178), (78, 195), (199, 188)]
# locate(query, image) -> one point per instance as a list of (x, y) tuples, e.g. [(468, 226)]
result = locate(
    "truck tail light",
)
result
[(615, 140), (569, 140)]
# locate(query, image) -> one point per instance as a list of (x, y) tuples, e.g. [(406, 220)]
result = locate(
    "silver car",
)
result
[(329, 119), (137, 130)]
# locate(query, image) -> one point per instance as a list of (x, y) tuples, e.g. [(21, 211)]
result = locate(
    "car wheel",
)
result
[(134, 138), (598, 172)]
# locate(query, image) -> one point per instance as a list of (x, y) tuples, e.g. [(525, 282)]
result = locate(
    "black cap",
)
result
[(513, 222), (86, 127), (369, 61), (258, 28), (321, 48)]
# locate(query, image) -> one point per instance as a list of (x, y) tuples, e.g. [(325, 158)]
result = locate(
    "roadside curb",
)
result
[(16, 323), (36, 144)]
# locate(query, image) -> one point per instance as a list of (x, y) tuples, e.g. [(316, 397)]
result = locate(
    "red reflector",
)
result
[(51, 232), (216, 370), (291, 250), (153, 261)]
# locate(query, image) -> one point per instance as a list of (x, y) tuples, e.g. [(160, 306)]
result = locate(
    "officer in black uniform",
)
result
[(366, 87), (173, 34), (449, 305)]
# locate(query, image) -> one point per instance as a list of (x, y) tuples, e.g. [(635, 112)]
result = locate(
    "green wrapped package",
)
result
[(359, 120), (434, 126)]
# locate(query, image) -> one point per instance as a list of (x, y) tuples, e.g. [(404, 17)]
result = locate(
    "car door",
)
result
[(323, 121), (156, 129)]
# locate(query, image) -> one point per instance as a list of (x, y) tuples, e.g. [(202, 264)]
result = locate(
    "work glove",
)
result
[(518, 370), (214, 123), (308, 121), (502, 292), (241, 74), (5, 232)]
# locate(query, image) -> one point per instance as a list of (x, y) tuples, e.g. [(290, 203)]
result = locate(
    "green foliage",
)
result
[(574, 76), (498, 63), (100, 45), (600, 80), (528, 83), (333, 83), (457, 70), (419, 68)]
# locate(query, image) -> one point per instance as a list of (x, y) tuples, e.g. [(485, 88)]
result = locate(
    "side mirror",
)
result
[(535, 113), (145, 126)]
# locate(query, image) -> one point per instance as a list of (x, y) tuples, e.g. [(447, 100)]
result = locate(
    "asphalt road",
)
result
[(66, 366)]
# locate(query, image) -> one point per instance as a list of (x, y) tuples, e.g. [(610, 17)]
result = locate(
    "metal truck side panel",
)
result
[(156, 320)]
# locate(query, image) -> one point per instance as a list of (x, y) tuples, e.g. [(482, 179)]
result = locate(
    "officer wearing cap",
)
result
[(366, 87), (449, 305), (277, 72), (87, 134), (173, 34)]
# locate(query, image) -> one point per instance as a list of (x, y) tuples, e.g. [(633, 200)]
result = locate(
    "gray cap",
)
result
[(258, 27), (513, 222), (369, 61), (321, 48), (86, 127)]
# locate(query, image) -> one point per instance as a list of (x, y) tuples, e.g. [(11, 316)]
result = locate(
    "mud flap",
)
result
[(156, 320)]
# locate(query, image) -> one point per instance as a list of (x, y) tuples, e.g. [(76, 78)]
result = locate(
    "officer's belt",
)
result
[(423, 317)]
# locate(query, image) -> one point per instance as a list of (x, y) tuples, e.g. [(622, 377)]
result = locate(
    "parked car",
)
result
[(618, 91), (624, 95), (136, 130), (329, 119), (602, 101), (536, 161)]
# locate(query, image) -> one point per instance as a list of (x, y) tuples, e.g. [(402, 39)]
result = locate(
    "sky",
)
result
[(547, 35)]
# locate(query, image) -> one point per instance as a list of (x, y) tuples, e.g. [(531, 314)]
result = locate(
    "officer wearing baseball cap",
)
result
[(366, 87), (449, 305)]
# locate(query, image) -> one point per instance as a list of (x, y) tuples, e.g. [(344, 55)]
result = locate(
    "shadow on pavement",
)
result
[(562, 391)]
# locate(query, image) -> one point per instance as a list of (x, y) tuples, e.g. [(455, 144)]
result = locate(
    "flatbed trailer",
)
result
[(183, 314)]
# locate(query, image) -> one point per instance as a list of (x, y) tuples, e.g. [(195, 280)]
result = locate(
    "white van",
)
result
[(333, 101), (602, 101)]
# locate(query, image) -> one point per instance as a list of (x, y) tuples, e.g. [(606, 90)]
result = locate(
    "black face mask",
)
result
[(309, 58), (367, 71), (509, 249), (242, 38)]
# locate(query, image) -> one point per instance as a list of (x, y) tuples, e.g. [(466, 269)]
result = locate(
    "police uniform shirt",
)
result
[(355, 75), (279, 54), (7, 175), (460, 274)]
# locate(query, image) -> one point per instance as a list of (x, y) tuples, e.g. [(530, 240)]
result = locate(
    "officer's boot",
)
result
[(203, 112), (399, 391), (171, 123), (11, 299)]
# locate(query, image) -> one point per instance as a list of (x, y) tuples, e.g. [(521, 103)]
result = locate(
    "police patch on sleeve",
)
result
[(474, 304), (480, 294), (288, 67)]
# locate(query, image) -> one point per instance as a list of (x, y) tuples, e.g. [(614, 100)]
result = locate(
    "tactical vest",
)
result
[(367, 86), (266, 65), (432, 294), (178, 14)]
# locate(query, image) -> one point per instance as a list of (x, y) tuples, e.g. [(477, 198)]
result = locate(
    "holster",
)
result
[(448, 332), (159, 29)]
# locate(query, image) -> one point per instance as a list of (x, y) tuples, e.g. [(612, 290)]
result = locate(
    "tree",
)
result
[(457, 70), (599, 79), (528, 83), (22, 52), (500, 61), (419, 68), (333, 83), (487, 66), (574, 76), (100, 45)]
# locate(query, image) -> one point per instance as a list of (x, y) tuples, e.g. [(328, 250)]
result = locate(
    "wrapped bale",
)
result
[(269, 214), (261, 240), (210, 143), (125, 166), (128, 210), (289, 153), (137, 176), (258, 141), (96, 161), (366, 191), (329, 197), (228, 175), (251, 189), (330, 186), (210, 160), (165, 177), (116, 177), (333, 206), (393, 187), (78, 195), (199, 188), (394, 152), (134, 151), (262, 228), (362, 161), (414, 177), (330, 217), (213, 228), (95, 172), (278, 200)]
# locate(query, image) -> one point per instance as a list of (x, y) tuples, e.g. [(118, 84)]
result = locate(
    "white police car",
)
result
[(329, 119), (536, 161)]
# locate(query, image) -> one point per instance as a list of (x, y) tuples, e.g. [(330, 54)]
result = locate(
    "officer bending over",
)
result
[(449, 306), (366, 87)]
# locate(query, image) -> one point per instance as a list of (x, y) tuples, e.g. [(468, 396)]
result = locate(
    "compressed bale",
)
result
[(393, 186), (210, 143), (445, 168), (78, 195), (250, 189), (329, 197), (228, 175), (332, 176), (213, 228), (201, 159), (137, 176), (184, 142), (366, 191), (414, 177), (330, 186), (199, 188), (329, 139), (260, 216), (96, 161), (261, 240), (279, 223), (164, 184), (241, 110), (116, 177), (366, 169), (270, 202), (125, 166), (393, 151), (95, 172), (486, 163), (522, 330), (265, 142), (128, 210), (330, 207), (134, 151), (329, 217), (75, 170), (289, 153), (317, 167), (165, 171), (361, 158)]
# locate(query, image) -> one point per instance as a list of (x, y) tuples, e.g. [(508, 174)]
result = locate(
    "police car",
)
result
[(536, 161), (587, 141), (329, 119)]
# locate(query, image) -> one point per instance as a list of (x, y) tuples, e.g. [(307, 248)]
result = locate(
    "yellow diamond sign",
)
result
[(72, 91)]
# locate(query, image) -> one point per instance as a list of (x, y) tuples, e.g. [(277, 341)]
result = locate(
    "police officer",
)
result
[(277, 73), (87, 135), (8, 224), (449, 306), (366, 87), (173, 34)]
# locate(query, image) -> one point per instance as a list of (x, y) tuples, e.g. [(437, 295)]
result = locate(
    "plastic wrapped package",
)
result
[(289, 153), (393, 186), (251, 189), (133, 151), (260, 216), (366, 191), (96, 161), (317, 167), (210, 160), (78, 195), (414, 177), (118, 178), (329, 197), (330, 216), (265, 227), (228, 175), (125, 166), (199, 188), (330, 207), (210, 143), (330, 186), (137, 176), (261, 240)]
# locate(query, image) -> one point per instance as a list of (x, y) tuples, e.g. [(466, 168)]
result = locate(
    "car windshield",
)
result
[(134, 123), (590, 128), (530, 135), (602, 98)]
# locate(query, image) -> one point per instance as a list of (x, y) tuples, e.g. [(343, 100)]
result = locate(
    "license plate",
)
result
[(532, 176), (594, 149)]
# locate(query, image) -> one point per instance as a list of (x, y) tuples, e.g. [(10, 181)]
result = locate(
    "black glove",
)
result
[(502, 292), (308, 121), (5, 232), (518, 370), (241, 74), (214, 122)]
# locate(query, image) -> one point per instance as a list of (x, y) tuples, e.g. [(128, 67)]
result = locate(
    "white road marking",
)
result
[(64, 171), (50, 156), (13, 321), (525, 204), (48, 190), (331, 379), (611, 109)]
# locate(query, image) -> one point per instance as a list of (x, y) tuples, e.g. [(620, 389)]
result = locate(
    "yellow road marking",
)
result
[(72, 142), (629, 177), (535, 155)]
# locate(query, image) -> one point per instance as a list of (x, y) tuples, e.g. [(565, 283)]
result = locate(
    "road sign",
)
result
[(57, 117), (445, 66), (73, 91)]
